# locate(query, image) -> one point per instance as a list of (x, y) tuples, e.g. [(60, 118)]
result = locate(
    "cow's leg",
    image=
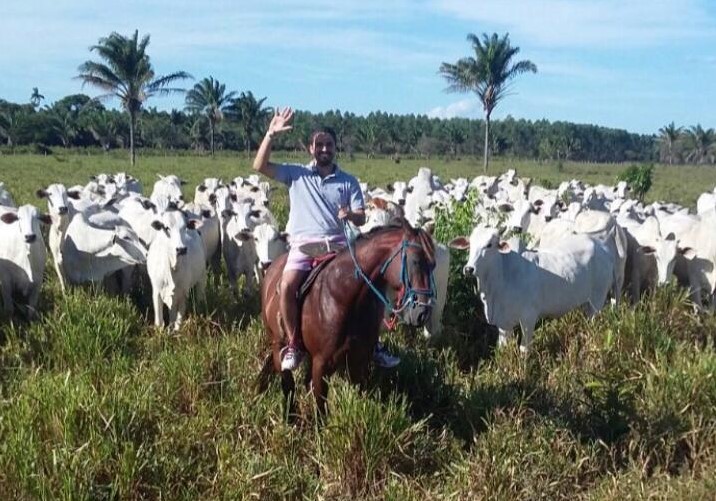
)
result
[(528, 328), (504, 337), (158, 308), (6, 291), (178, 311), (60, 274), (32, 300)]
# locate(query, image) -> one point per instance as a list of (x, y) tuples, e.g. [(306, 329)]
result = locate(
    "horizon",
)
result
[(636, 67)]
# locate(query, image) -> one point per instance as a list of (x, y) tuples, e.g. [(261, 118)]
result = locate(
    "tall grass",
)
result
[(98, 404)]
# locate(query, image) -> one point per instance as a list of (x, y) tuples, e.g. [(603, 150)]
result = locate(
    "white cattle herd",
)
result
[(535, 252)]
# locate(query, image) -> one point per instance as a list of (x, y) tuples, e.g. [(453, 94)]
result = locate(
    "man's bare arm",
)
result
[(279, 123)]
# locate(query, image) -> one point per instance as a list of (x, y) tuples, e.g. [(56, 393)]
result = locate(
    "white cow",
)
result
[(522, 288), (175, 264), (441, 274), (58, 207), (5, 197), (91, 253), (203, 192), (170, 187), (238, 246), (270, 243), (22, 256)]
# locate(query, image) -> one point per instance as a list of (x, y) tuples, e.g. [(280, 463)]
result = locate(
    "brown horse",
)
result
[(342, 313)]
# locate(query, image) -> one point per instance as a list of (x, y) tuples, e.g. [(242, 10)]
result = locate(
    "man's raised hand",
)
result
[(281, 121)]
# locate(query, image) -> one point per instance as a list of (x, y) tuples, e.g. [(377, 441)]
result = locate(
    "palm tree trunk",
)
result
[(132, 120), (211, 136), (487, 142)]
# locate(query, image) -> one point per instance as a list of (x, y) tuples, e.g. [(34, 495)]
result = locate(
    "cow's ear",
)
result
[(538, 203), (148, 204), (45, 218), (379, 203), (201, 188), (687, 252), (74, 194), (389, 187), (157, 225), (9, 217), (647, 249), (182, 182), (410, 189), (460, 243), (41, 193), (670, 236), (93, 178), (254, 189)]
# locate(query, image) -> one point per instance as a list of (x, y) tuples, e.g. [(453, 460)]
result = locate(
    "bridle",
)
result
[(407, 295)]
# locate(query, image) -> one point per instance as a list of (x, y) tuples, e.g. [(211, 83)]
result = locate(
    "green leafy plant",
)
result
[(639, 178)]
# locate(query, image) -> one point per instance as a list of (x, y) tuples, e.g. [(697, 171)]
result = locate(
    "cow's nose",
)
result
[(62, 210), (30, 238), (548, 218), (181, 251), (401, 201), (468, 270)]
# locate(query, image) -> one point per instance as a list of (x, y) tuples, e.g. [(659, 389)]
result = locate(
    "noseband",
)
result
[(407, 295)]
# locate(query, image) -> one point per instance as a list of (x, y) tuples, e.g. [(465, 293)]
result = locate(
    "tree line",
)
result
[(217, 118)]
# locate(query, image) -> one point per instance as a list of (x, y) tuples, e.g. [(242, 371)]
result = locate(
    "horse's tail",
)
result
[(267, 370)]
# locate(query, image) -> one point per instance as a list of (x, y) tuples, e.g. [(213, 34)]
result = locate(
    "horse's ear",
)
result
[(429, 227)]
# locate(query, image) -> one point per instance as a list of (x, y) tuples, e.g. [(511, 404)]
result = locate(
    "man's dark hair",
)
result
[(324, 130)]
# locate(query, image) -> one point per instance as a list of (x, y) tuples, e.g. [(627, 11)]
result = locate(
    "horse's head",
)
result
[(409, 271)]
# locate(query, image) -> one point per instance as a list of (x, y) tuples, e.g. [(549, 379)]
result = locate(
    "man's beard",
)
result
[(324, 160)]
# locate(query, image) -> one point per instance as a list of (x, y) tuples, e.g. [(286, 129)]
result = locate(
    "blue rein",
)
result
[(410, 294)]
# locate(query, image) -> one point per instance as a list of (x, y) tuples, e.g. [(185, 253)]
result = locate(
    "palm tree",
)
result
[(209, 98), (668, 136), (127, 73), (701, 144), (250, 113), (36, 97), (488, 74)]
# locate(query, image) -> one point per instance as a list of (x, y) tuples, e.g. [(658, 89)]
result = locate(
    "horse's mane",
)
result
[(426, 241)]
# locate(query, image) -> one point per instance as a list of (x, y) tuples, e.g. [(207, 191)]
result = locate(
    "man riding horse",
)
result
[(322, 198)]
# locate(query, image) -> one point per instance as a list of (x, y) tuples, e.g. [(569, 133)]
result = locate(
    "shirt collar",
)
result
[(314, 169)]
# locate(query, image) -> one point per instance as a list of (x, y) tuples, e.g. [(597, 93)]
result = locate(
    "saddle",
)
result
[(319, 262)]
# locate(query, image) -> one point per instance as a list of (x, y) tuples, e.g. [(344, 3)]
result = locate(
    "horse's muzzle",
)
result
[(417, 313)]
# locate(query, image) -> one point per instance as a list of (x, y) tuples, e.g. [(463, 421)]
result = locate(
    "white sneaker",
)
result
[(291, 358), (383, 358)]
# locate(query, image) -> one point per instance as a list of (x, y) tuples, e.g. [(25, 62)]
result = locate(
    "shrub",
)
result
[(639, 179)]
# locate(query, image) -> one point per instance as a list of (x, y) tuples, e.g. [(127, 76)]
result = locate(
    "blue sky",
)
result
[(632, 64)]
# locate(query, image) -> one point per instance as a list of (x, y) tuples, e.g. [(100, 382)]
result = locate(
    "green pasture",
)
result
[(23, 174), (97, 404)]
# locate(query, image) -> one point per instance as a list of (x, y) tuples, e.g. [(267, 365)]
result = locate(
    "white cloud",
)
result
[(466, 108), (588, 23)]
